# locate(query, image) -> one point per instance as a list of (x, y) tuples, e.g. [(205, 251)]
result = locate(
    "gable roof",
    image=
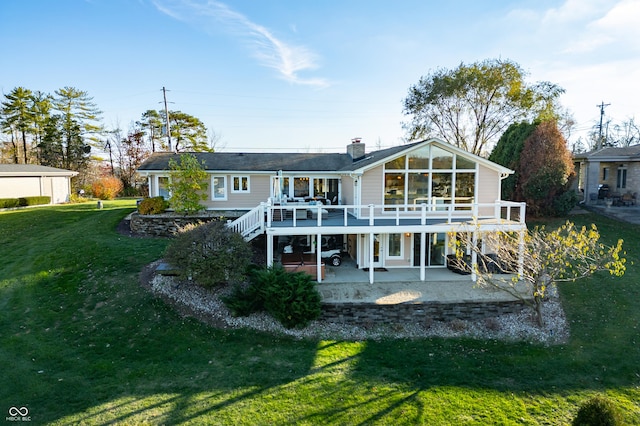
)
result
[(627, 153), (33, 170), (302, 162), (379, 157)]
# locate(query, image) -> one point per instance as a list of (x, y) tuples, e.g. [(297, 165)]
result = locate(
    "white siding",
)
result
[(14, 187)]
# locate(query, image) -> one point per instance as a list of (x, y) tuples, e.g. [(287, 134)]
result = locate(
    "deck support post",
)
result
[(423, 253), (269, 250), (319, 257), (474, 255), (371, 258)]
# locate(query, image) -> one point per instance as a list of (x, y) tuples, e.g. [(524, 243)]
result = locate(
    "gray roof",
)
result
[(627, 153), (269, 162), (33, 170)]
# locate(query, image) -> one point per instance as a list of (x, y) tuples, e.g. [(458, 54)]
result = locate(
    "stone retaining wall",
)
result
[(371, 313), (167, 225)]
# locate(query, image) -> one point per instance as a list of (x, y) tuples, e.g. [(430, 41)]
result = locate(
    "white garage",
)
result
[(30, 180)]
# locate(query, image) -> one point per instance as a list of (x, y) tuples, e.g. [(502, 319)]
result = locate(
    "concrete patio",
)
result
[(348, 284)]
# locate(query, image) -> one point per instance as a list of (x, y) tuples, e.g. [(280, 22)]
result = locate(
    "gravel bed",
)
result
[(206, 305)]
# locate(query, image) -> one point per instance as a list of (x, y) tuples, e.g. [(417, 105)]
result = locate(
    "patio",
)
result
[(348, 284)]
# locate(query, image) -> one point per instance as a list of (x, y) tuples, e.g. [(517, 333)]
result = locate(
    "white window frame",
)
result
[(213, 188), (158, 186), (240, 178), (388, 248)]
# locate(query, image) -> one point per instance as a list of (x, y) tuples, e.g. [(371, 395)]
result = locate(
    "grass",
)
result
[(82, 343)]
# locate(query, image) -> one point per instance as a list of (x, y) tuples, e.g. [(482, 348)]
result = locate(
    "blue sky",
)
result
[(293, 75)]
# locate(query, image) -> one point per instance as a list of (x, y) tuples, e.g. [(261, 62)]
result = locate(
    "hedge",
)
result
[(6, 203)]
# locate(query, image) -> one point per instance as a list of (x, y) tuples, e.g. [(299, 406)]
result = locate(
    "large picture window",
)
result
[(430, 175)]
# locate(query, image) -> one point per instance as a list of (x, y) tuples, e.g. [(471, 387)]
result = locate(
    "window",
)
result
[(394, 188), (621, 181), (605, 174), (395, 245), (219, 188), (301, 187), (419, 159), (240, 184), (418, 192), (163, 187), (430, 175), (441, 159)]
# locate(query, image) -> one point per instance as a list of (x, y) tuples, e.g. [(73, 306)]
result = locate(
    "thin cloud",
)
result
[(287, 59)]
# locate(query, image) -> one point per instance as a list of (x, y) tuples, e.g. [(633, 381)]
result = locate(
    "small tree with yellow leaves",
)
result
[(528, 264), (188, 184)]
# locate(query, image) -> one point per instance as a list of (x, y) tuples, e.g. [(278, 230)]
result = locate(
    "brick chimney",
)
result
[(356, 149)]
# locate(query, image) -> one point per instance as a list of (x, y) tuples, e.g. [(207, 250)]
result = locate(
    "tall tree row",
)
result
[(64, 130), (56, 130)]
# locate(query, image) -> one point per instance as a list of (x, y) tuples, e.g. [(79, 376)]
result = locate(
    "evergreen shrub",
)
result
[(34, 201), (597, 411), (6, 203), (291, 298)]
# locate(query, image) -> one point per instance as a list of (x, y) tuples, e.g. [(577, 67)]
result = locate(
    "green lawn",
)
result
[(82, 342)]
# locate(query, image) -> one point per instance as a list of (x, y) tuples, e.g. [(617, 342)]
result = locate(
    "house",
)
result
[(609, 173), (392, 208), (29, 180)]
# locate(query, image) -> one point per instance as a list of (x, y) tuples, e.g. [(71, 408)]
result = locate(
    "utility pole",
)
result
[(108, 146), (166, 114), (601, 106)]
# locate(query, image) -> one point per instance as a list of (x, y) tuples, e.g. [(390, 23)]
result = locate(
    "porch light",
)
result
[(407, 234)]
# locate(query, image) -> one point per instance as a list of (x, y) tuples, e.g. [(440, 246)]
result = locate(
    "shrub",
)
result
[(153, 205), (211, 254), (598, 411), (6, 203), (77, 198), (107, 188), (291, 298), (34, 201), (564, 203)]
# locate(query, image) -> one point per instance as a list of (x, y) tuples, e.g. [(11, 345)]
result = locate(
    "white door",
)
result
[(378, 251)]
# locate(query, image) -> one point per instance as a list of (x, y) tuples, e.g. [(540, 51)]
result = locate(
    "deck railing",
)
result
[(251, 223), (256, 220), (450, 213)]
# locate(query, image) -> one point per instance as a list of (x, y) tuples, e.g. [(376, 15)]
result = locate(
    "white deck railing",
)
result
[(263, 216), (450, 213), (250, 223)]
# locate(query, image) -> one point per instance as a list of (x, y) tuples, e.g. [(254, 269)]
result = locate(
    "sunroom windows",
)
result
[(430, 175)]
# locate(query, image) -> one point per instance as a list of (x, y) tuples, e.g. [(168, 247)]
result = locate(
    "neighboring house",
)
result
[(392, 208), (30, 180), (610, 172)]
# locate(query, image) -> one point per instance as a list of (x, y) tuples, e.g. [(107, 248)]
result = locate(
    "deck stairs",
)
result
[(251, 224)]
